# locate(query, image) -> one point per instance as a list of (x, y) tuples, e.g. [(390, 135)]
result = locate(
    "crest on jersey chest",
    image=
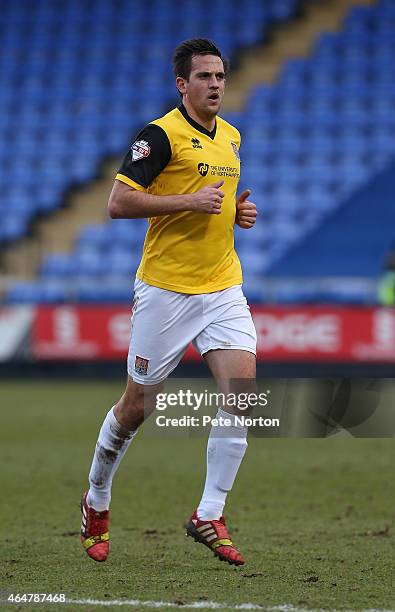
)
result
[(235, 150)]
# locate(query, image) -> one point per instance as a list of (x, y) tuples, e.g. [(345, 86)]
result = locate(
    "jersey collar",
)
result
[(197, 125)]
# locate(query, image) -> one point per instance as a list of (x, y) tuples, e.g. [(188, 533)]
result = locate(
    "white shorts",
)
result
[(165, 322)]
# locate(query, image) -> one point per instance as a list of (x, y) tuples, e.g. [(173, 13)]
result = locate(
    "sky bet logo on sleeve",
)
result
[(203, 169), (140, 149)]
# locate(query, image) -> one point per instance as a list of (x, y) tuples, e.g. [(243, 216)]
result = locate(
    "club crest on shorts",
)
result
[(140, 149), (141, 365), (235, 150)]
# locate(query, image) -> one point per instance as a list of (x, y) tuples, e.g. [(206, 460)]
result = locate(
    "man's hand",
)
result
[(208, 199), (246, 212)]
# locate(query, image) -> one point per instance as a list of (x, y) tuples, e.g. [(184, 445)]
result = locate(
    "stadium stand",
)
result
[(75, 89), (310, 141)]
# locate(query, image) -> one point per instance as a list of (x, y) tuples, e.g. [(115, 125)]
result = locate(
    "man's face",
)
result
[(205, 88)]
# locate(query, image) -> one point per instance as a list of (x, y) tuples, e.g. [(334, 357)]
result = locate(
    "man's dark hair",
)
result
[(182, 58)]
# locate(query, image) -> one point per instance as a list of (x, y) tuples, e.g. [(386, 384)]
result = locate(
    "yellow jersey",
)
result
[(187, 252)]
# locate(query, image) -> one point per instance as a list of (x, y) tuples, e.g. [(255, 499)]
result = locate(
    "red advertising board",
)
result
[(322, 333), (81, 332), (325, 333)]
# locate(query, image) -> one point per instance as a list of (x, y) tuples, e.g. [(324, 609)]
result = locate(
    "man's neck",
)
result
[(208, 124)]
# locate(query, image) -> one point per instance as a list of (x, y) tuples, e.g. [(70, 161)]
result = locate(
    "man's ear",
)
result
[(181, 85)]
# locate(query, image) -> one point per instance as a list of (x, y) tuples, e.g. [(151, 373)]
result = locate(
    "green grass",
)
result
[(314, 518)]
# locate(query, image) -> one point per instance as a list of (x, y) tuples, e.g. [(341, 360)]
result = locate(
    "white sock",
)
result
[(111, 446), (225, 450)]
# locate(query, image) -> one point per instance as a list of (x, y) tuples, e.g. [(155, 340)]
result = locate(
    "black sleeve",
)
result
[(148, 156)]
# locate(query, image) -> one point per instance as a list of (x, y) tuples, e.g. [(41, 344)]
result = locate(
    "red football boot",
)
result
[(94, 531), (214, 535)]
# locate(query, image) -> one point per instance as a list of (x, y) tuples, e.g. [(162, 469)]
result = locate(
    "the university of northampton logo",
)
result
[(196, 143), (203, 169)]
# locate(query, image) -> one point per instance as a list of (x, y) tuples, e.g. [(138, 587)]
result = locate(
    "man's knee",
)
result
[(136, 404)]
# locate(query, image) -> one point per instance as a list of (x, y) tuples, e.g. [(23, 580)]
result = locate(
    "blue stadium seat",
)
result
[(95, 236), (106, 292), (57, 266), (41, 292), (13, 228)]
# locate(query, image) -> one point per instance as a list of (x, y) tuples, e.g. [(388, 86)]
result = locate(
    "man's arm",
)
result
[(128, 203)]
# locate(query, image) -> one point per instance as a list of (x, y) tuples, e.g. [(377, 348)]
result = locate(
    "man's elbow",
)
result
[(115, 208), (122, 203), (112, 210)]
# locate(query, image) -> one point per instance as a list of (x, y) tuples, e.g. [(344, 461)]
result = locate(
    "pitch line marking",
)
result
[(202, 605)]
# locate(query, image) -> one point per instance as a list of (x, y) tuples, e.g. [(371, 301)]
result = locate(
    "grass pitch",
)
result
[(314, 518)]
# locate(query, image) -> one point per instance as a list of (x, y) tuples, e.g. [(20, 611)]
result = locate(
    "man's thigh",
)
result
[(228, 343), (231, 364), (163, 324), (229, 326)]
